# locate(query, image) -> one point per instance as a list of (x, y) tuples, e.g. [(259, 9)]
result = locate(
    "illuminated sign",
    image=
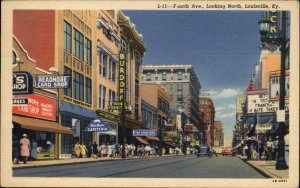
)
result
[(22, 83), (117, 105), (122, 76), (52, 81), (38, 106), (263, 127), (274, 24)]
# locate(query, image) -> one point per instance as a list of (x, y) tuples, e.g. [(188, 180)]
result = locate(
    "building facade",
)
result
[(184, 86), (218, 134), (207, 111)]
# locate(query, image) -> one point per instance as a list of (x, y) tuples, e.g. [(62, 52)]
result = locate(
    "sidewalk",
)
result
[(69, 161), (268, 169)]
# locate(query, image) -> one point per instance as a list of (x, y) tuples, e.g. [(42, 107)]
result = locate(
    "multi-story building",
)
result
[(65, 42), (184, 86), (159, 97), (218, 134), (239, 118), (207, 112), (133, 46)]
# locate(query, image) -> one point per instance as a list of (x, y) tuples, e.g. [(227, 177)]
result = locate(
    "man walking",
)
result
[(269, 149), (25, 148)]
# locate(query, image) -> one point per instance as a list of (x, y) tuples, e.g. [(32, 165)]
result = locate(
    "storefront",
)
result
[(76, 118), (37, 119)]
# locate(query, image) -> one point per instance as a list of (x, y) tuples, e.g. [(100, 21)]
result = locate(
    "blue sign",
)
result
[(97, 125), (52, 81), (144, 132)]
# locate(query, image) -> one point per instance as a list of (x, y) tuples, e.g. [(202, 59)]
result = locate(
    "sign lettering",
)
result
[(22, 83), (52, 81), (122, 77)]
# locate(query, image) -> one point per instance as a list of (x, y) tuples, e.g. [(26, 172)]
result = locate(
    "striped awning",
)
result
[(154, 138)]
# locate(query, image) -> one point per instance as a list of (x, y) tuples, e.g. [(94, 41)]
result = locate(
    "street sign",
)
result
[(143, 132), (280, 115), (52, 81), (22, 83), (20, 101)]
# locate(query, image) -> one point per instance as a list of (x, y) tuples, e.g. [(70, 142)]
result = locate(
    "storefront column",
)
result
[(57, 149)]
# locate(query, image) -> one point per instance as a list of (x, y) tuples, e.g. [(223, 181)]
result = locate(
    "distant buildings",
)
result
[(207, 116), (218, 134)]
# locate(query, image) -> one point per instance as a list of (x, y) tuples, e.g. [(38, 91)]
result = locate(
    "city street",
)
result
[(165, 167)]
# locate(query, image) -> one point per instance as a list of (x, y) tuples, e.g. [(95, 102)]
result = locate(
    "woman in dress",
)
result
[(25, 148)]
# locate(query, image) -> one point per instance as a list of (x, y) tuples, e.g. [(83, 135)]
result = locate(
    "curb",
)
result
[(81, 162), (265, 174)]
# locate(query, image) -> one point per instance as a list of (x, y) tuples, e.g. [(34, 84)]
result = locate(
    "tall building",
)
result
[(207, 111), (218, 134), (239, 118), (184, 86)]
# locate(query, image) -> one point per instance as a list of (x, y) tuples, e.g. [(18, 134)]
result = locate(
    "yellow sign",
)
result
[(122, 76)]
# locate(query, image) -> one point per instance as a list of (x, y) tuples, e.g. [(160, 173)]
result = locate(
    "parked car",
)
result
[(219, 150), (203, 151), (229, 151)]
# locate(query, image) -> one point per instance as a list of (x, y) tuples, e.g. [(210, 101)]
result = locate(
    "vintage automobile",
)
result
[(229, 151), (203, 151), (219, 150)]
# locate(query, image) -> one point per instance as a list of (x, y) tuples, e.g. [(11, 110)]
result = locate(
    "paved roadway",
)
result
[(164, 167)]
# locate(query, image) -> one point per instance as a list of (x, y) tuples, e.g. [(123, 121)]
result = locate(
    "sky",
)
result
[(222, 46)]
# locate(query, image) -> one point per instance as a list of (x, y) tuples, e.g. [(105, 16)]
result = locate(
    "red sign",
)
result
[(188, 128), (38, 106)]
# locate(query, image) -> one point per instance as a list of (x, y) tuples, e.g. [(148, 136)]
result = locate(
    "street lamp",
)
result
[(264, 26)]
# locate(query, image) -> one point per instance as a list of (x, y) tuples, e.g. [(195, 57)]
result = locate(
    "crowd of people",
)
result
[(113, 150), (262, 149)]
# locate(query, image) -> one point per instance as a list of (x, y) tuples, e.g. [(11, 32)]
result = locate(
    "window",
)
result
[(78, 45), (113, 71), (137, 65), (102, 95), (154, 121), (179, 87), (88, 90), (112, 96), (68, 91), (136, 88), (103, 64), (88, 52), (171, 86), (179, 97), (164, 76), (179, 76), (78, 86), (110, 68), (149, 119), (136, 111), (144, 120), (67, 37), (148, 77)]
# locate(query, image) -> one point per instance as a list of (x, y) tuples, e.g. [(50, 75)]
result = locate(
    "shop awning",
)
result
[(154, 138), (169, 143), (262, 119), (68, 107), (40, 125), (141, 140)]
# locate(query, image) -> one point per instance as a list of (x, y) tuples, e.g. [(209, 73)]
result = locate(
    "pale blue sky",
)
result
[(222, 46)]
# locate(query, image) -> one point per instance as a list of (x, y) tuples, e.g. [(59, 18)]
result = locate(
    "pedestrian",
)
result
[(147, 150), (245, 150), (103, 150), (128, 150), (89, 148), (132, 150), (95, 150), (176, 151), (83, 150), (33, 149), (77, 150), (113, 150), (269, 149), (261, 149), (275, 148), (25, 148), (213, 151), (109, 150), (16, 150)]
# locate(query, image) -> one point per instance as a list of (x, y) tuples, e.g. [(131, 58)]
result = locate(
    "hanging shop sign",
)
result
[(261, 103), (38, 106), (188, 127), (274, 24), (107, 115), (98, 125), (22, 83), (263, 127), (143, 132), (122, 76), (20, 101), (117, 105), (52, 81)]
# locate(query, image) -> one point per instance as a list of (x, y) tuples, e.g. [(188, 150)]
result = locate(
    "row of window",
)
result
[(81, 88), (163, 106), (149, 119), (164, 76), (102, 96), (78, 44), (107, 66)]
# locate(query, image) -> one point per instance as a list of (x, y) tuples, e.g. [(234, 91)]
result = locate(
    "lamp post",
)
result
[(264, 26)]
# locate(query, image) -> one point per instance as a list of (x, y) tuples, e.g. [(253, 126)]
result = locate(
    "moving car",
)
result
[(203, 151), (229, 151)]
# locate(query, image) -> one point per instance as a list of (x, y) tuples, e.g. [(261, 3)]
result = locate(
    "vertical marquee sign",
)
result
[(122, 76)]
